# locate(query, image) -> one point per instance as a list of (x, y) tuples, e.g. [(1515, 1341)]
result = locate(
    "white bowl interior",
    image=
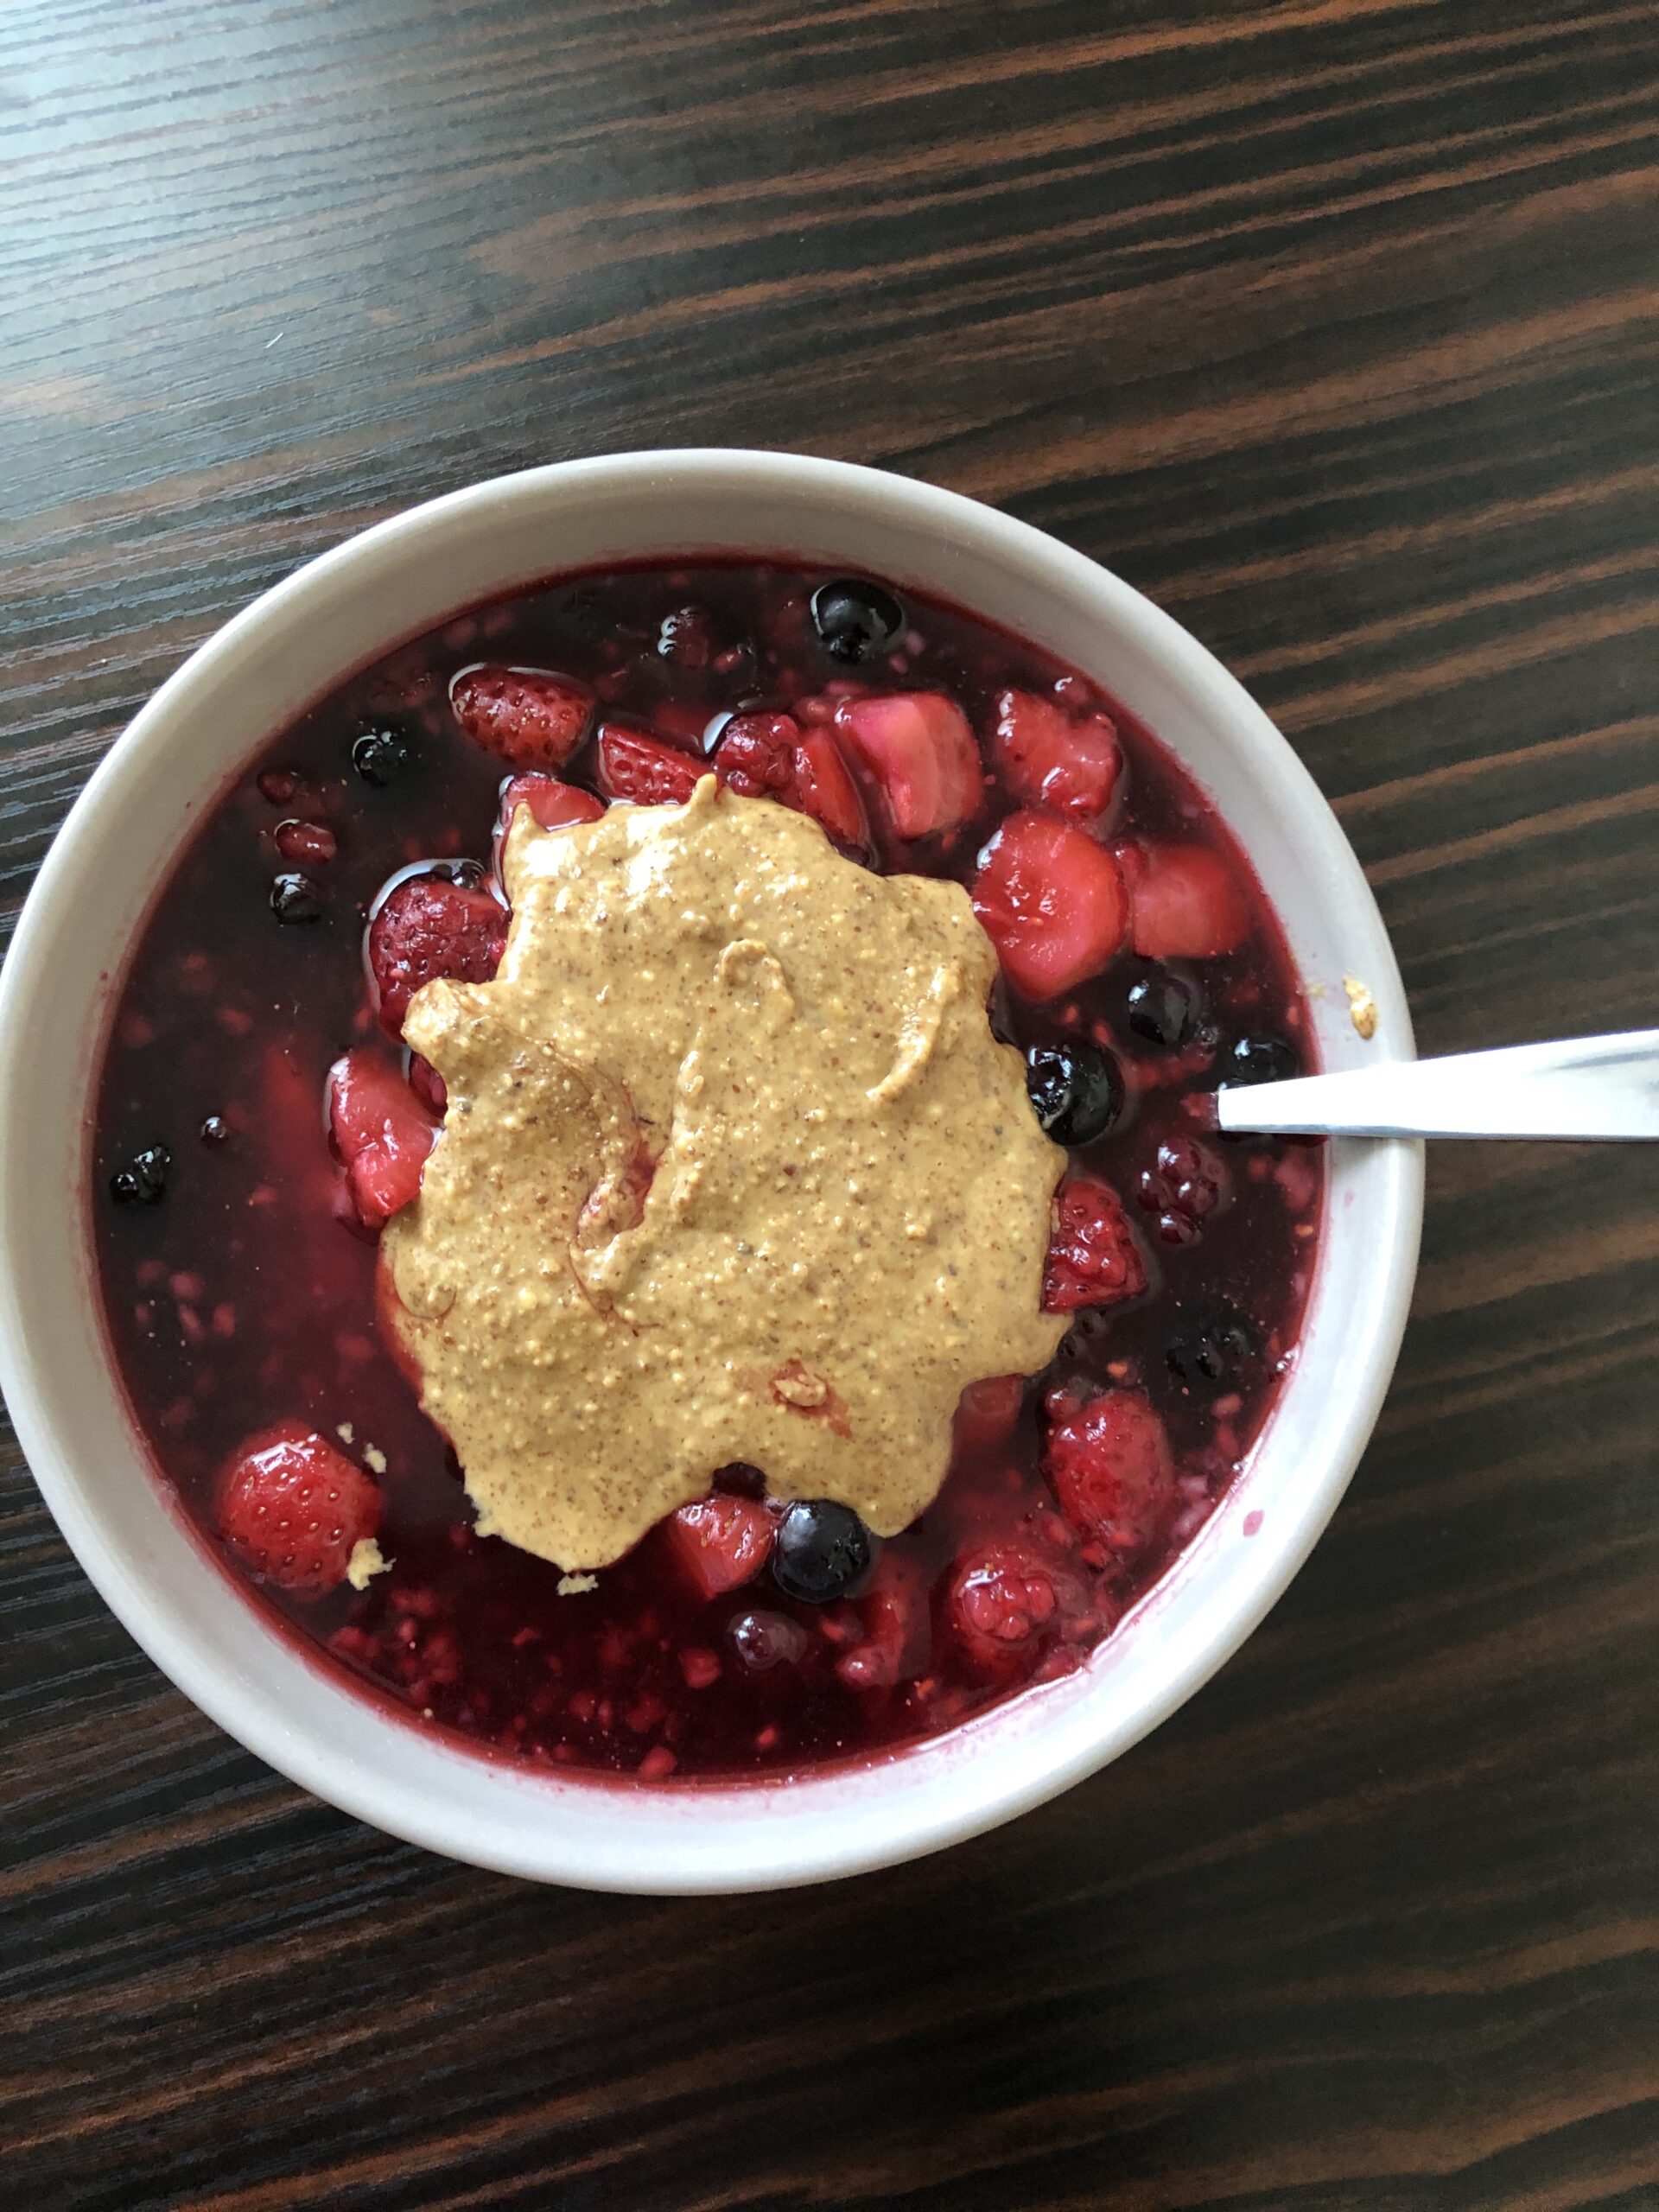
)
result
[(102, 874)]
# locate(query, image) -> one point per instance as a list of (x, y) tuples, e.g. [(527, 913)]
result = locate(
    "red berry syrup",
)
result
[(258, 1120)]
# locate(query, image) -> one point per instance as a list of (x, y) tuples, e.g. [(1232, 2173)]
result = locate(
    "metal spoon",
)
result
[(1587, 1087)]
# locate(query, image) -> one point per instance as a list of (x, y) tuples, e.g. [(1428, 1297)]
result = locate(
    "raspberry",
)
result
[(1004, 1604), (756, 756), (1093, 1256), (1186, 1186), (1108, 1458)]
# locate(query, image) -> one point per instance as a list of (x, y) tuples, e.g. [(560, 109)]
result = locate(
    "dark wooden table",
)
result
[(1332, 324)]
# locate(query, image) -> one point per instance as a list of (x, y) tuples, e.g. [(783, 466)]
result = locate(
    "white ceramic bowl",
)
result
[(118, 845)]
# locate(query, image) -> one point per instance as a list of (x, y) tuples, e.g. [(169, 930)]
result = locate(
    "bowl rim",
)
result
[(298, 1751)]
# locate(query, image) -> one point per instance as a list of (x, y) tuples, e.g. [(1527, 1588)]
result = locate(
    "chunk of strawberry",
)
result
[(526, 717), (1051, 901), (986, 1416), (293, 1508), (382, 1133), (1093, 1258), (552, 804), (919, 755), (1188, 904), (720, 1542), (1004, 1605), (828, 793), (1108, 1458), (428, 927), (632, 764), (1048, 760), (428, 1085), (897, 1628)]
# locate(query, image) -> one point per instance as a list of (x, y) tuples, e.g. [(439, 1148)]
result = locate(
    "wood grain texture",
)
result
[(1334, 325)]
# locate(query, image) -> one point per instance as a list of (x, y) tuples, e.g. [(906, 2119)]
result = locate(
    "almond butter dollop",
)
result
[(732, 1169)]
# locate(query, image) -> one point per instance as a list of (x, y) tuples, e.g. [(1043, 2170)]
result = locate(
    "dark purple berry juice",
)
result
[(258, 1120)]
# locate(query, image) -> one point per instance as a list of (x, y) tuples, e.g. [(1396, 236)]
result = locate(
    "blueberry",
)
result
[(854, 620), (294, 898), (380, 756), (739, 1480), (763, 1640), (143, 1181), (215, 1129), (822, 1550), (1257, 1059), (1164, 1009), (1076, 1090), (685, 639), (1214, 1353)]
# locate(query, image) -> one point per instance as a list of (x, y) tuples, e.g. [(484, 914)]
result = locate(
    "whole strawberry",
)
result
[(293, 1509)]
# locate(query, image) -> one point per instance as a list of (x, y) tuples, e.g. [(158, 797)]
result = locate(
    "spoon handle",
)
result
[(1586, 1087)]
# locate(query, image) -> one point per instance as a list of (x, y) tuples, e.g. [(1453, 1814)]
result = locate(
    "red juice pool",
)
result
[(238, 1278)]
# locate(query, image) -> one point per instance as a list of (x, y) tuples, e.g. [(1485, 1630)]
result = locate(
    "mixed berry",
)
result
[(259, 1120)]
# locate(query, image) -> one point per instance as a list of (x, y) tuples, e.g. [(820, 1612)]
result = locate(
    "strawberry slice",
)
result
[(1051, 901), (986, 1416), (828, 793), (1004, 1604), (897, 1628), (1108, 1458), (634, 765), (428, 927), (720, 1542), (1047, 760), (381, 1132), (526, 717), (766, 756), (552, 804), (1188, 905), (1093, 1256), (293, 1508), (919, 755)]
